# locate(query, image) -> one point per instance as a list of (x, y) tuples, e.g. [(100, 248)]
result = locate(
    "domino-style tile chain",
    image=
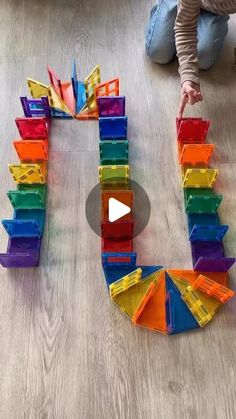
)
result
[(167, 301)]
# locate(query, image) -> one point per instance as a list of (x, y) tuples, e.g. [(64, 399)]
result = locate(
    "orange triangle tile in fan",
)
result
[(152, 311)]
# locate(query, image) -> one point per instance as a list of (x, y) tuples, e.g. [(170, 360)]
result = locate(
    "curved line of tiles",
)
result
[(167, 301)]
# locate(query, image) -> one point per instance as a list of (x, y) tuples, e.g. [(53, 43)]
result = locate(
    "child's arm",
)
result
[(186, 44)]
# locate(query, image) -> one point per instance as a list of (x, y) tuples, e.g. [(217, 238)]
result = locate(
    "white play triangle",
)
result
[(117, 209)]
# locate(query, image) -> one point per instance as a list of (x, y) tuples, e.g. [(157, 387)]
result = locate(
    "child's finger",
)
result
[(183, 102)]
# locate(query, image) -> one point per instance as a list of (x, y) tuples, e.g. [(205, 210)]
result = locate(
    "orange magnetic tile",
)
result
[(213, 289), (152, 312), (87, 115), (31, 150), (191, 276), (195, 154), (109, 88)]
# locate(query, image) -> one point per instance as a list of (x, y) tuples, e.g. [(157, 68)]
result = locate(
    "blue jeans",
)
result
[(160, 37)]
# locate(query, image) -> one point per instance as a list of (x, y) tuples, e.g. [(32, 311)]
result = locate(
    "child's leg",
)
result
[(212, 30), (160, 38)]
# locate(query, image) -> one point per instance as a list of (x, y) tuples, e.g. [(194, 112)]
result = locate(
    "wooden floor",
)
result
[(66, 352)]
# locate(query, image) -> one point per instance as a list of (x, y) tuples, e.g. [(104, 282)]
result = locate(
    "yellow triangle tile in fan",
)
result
[(37, 89), (56, 102), (130, 299)]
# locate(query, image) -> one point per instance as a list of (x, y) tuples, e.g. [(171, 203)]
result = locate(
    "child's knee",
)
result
[(206, 59), (159, 54)]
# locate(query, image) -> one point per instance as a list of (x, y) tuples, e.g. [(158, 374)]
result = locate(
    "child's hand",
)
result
[(190, 93)]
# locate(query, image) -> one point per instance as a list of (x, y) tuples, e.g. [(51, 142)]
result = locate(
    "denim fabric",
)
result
[(160, 37)]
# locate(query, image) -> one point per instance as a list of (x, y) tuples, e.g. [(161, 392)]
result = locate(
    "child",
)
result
[(196, 29)]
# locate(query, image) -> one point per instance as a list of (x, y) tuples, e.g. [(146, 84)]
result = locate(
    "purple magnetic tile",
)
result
[(24, 245), (17, 260), (111, 106), (35, 107), (207, 250), (22, 252), (212, 264)]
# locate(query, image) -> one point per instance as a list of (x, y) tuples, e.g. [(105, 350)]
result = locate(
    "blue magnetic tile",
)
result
[(179, 318), (21, 228), (113, 128), (56, 113), (208, 232), (74, 79), (37, 215), (202, 219), (112, 259), (81, 96)]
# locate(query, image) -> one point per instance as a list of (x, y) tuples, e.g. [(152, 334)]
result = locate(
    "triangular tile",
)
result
[(56, 102), (179, 317), (37, 89), (129, 300), (152, 311)]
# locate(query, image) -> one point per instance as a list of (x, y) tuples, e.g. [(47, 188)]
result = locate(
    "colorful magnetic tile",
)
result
[(113, 152), (21, 228), (56, 113), (111, 106), (36, 215), (31, 150), (179, 317), (29, 173), (195, 154), (56, 102), (213, 289), (114, 273), (54, 81), (151, 312), (208, 232), (113, 128), (207, 250), (124, 196), (68, 96), (125, 282), (117, 229), (91, 81), (32, 128), (199, 177), (190, 276), (192, 130), (37, 89), (111, 245), (114, 173), (108, 88), (201, 200), (205, 303), (202, 219), (119, 259), (79, 90), (196, 306), (129, 300), (18, 260), (35, 107), (213, 264), (27, 199)]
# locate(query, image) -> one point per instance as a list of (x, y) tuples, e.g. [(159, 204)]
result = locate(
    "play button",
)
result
[(117, 210), (126, 207)]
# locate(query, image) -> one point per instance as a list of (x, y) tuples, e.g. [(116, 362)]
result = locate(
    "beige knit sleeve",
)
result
[(186, 39)]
